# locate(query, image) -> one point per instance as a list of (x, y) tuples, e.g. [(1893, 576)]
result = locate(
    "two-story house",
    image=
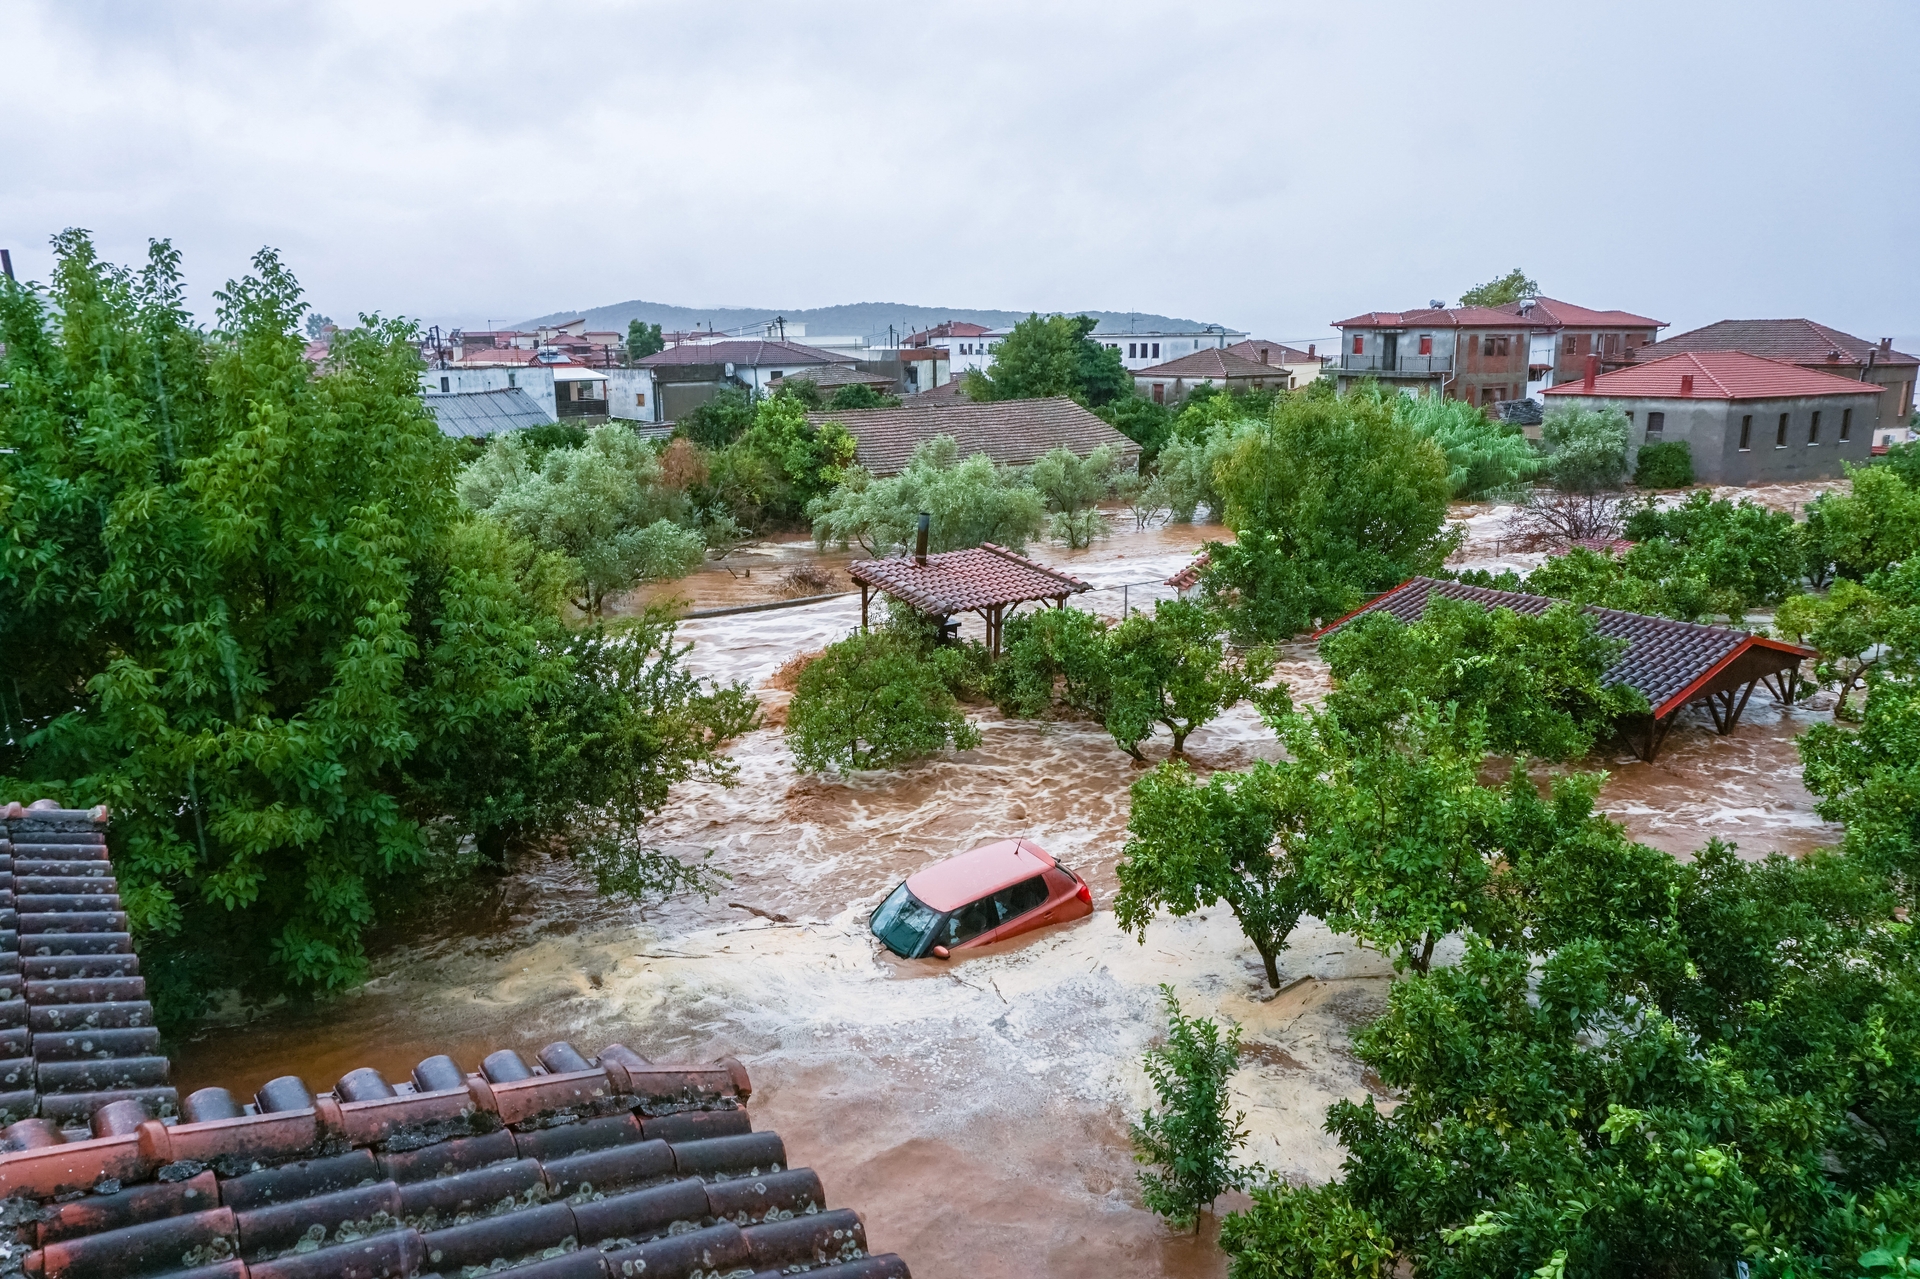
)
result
[(1564, 335), (1469, 353)]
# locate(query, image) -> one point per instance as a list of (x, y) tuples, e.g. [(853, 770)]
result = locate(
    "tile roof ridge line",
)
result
[(1017, 558)]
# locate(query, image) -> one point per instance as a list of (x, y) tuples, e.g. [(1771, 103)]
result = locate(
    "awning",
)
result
[(573, 373)]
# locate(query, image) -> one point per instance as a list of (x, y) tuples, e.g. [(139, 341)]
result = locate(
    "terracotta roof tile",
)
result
[(1796, 341), (1277, 352), (1011, 432), (1664, 659), (1189, 576), (1717, 375), (960, 581), (1553, 313), (590, 1167), (1211, 363), (1446, 317)]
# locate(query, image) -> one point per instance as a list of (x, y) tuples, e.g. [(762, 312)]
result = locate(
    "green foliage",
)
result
[(1138, 418), (1514, 286), (1052, 356), (1191, 1140), (1171, 668), (1533, 682), (1483, 456), (1305, 1232), (1073, 488), (877, 700), (1586, 448), (1344, 485), (1185, 469), (859, 395), (1757, 554), (1862, 631), (1665, 465), (601, 506), (317, 324), (1190, 845), (1874, 525), (646, 876), (1052, 658), (721, 420), (971, 502), (1868, 779), (644, 340), (243, 606), (1267, 595)]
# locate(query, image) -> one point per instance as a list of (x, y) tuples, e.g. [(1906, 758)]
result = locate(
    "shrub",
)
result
[(1052, 658), (1586, 448), (1666, 465), (1305, 1232), (877, 700), (1073, 488), (1482, 455), (1191, 1140), (721, 420)]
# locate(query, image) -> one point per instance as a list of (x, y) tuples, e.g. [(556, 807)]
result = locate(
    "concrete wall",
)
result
[(1711, 430), (630, 395)]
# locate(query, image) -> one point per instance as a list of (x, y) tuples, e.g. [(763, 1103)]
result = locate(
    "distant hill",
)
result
[(855, 319)]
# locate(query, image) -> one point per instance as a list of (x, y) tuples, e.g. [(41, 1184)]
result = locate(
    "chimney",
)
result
[(1263, 355), (920, 540), (1686, 384), (1886, 344), (1593, 371), (1309, 350)]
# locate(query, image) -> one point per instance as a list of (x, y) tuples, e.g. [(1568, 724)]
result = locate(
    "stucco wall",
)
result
[(1711, 429), (533, 379)]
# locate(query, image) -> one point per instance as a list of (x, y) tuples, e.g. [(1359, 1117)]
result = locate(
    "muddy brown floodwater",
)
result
[(975, 1112)]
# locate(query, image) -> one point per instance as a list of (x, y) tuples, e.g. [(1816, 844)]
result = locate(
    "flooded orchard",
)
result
[(974, 1111)]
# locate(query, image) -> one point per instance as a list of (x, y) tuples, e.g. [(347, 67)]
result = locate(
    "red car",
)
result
[(977, 898)]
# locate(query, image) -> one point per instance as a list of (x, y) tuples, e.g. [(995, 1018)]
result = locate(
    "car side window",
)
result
[(1028, 894), (971, 920)]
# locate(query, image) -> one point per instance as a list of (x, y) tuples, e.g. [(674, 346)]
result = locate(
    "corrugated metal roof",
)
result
[(568, 1166), (1717, 375), (1664, 659), (473, 414), (752, 354), (1011, 432), (960, 581)]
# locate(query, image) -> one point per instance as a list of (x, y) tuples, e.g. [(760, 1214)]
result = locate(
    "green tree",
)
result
[(1190, 845), (1170, 668), (1305, 1232), (859, 395), (1876, 523), (242, 605), (1533, 681), (1514, 286), (1586, 448), (644, 340), (971, 501), (317, 324), (719, 421), (1868, 779), (1483, 456), (807, 461), (1267, 595), (1052, 356), (1073, 488), (1190, 1141), (1742, 547), (1667, 464), (876, 700), (1052, 658), (1138, 418), (602, 506)]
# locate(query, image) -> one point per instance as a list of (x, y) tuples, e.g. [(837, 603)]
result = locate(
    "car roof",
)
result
[(951, 884)]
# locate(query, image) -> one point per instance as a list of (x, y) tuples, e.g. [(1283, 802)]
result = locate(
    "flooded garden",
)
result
[(975, 1110)]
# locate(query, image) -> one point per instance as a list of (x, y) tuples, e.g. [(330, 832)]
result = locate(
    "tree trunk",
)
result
[(1426, 955), (1271, 958)]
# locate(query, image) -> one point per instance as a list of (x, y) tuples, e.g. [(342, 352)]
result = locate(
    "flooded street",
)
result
[(975, 1112)]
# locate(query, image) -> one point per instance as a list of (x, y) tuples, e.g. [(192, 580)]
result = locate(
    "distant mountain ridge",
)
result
[(855, 319)]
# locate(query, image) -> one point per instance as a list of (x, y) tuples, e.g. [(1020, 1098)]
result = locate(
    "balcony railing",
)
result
[(1402, 365)]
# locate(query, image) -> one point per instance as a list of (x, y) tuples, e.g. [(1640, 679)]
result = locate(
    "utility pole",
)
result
[(6, 263)]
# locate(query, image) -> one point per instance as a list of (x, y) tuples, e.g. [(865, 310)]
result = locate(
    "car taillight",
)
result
[(1084, 893)]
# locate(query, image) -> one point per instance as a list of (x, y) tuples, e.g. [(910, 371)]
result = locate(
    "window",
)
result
[(1746, 432), (775, 375), (1426, 344), (1359, 344), (639, 399), (1846, 424), (970, 921), (1813, 428), (445, 385), (1496, 344), (1028, 894), (513, 379), (1156, 350), (1780, 433), (1130, 351), (1656, 426), (1566, 344)]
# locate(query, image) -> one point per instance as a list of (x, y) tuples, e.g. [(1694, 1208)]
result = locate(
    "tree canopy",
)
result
[(1514, 286), (971, 500), (1052, 355)]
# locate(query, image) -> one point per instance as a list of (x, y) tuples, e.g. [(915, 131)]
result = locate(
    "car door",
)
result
[(1017, 908)]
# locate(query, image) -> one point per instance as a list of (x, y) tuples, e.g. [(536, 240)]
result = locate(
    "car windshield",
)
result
[(904, 923)]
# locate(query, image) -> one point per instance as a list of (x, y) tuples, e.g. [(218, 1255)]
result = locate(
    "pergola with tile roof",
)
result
[(985, 579), (1673, 664)]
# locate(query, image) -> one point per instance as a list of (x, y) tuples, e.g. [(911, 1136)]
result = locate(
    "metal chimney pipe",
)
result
[(920, 539), (6, 263), (1593, 371)]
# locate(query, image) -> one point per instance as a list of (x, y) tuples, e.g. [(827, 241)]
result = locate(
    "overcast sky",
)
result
[(1271, 166)]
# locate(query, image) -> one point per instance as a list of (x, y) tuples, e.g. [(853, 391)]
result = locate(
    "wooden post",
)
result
[(863, 607)]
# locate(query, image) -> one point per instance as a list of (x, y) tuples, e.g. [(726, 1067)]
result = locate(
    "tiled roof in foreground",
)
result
[(961, 581), (568, 1167), (1667, 661)]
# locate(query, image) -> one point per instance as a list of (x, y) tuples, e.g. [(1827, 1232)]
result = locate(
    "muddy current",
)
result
[(974, 1111)]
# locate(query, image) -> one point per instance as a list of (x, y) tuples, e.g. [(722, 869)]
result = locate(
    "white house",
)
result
[(1142, 350), (561, 390), (968, 346)]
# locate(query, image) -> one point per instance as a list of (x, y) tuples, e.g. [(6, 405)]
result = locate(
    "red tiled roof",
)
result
[(961, 581), (567, 1168), (1277, 352), (1796, 341), (1011, 432), (1667, 661), (1717, 375), (1212, 363), (950, 329), (1190, 575), (1451, 317), (1555, 314), (748, 352)]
